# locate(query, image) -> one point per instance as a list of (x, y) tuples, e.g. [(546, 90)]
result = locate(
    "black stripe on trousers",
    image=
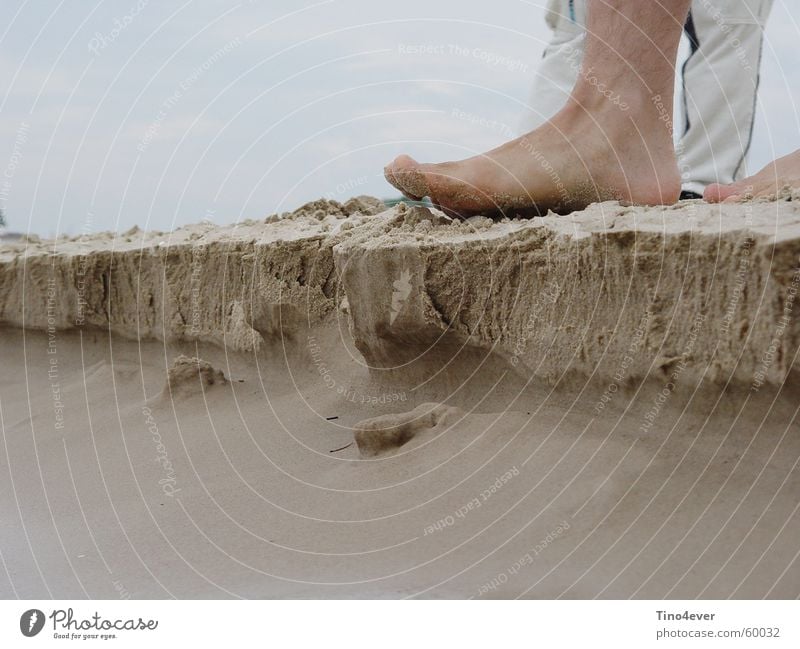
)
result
[(694, 44)]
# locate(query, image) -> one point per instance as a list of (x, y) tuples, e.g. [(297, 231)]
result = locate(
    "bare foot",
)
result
[(767, 183), (579, 157)]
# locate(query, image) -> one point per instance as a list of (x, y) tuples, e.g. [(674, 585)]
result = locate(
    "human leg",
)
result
[(612, 139)]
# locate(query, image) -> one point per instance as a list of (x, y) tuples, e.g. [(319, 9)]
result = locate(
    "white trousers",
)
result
[(720, 82)]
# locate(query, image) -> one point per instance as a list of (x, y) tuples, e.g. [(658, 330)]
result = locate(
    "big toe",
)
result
[(716, 193), (408, 177), (388, 173)]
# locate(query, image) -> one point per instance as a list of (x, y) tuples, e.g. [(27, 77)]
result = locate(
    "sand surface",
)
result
[(350, 402)]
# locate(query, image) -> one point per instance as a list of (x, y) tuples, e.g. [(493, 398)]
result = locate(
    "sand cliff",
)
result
[(609, 292)]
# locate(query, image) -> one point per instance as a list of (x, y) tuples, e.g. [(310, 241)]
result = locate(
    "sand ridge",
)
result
[(475, 285)]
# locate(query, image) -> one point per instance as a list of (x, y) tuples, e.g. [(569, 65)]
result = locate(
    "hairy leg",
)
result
[(612, 139)]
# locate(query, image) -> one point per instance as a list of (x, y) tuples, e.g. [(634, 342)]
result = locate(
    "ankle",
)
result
[(650, 113)]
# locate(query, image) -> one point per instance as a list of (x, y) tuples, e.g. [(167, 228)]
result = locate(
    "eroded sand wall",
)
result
[(640, 297), (614, 293)]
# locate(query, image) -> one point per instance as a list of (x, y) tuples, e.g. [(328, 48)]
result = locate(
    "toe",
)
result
[(716, 193), (733, 198), (388, 173), (410, 177), (396, 175)]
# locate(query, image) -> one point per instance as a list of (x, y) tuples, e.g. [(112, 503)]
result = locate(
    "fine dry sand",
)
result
[(352, 402)]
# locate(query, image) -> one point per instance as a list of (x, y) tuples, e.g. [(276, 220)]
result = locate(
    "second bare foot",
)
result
[(767, 183)]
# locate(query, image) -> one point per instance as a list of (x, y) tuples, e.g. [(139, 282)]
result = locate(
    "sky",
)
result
[(158, 114)]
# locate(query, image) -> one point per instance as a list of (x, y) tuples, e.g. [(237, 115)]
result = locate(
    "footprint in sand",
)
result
[(188, 376), (384, 434)]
